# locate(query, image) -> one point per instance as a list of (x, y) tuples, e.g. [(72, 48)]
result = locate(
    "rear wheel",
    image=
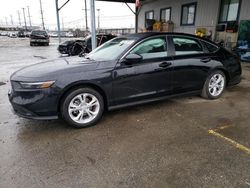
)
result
[(82, 107), (214, 85)]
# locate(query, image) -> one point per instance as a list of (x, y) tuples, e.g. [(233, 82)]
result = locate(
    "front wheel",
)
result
[(214, 85), (82, 107)]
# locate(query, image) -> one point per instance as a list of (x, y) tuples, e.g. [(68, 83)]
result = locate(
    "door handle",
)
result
[(206, 60), (165, 64)]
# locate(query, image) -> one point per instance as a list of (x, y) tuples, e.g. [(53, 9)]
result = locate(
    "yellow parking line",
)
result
[(234, 143)]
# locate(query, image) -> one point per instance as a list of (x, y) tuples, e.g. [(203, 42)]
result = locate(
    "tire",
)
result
[(211, 90), (77, 105)]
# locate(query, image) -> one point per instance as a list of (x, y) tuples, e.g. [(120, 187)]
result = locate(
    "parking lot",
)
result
[(182, 142)]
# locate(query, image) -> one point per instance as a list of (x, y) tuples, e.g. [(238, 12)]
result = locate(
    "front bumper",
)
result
[(34, 104), (63, 49), (39, 40)]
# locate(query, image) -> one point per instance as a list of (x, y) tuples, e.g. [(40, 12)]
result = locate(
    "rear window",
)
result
[(210, 47)]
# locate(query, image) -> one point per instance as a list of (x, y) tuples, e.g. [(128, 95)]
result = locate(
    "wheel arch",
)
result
[(79, 85)]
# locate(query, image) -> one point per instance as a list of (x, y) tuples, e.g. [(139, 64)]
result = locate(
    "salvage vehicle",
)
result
[(82, 46), (39, 37), (127, 70)]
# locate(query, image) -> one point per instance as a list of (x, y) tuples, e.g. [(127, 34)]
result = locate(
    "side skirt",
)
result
[(153, 100)]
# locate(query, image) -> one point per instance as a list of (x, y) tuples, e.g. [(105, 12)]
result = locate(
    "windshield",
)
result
[(110, 50), (39, 33)]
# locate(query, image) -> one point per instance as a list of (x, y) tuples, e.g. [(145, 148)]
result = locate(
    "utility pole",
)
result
[(41, 8), (98, 23), (24, 17), (29, 15), (62, 25), (6, 21), (58, 21), (19, 17), (86, 15), (93, 26), (11, 19)]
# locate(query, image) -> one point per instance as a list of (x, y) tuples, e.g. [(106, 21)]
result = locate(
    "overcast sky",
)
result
[(112, 15)]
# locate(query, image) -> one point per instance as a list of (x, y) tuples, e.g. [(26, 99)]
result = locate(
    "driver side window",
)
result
[(152, 48)]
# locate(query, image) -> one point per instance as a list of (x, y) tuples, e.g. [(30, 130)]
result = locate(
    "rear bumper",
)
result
[(236, 80)]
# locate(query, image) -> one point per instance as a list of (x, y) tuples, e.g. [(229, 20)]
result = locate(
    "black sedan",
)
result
[(125, 71), (39, 37), (78, 46)]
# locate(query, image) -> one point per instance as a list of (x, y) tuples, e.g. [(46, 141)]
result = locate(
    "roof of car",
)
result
[(139, 36)]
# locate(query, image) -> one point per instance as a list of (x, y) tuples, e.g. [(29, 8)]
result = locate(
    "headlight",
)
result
[(37, 85)]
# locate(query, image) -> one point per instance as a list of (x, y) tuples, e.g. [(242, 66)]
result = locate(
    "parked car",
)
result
[(243, 52), (75, 47), (39, 37), (20, 34), (128, 70), (12, 35)]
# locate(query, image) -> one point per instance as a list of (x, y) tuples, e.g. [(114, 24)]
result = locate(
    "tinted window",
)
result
[(185, 46), (210, 47), (151, 48)]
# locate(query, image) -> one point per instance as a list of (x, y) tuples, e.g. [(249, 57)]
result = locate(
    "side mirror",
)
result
[(133, 58)]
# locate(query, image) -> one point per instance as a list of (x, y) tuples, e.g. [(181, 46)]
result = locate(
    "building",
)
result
[(219, 16)]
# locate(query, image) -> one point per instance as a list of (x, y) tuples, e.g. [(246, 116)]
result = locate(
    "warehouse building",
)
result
[(220, 18)]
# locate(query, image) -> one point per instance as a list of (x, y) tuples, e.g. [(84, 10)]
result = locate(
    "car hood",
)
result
[(55, 68)]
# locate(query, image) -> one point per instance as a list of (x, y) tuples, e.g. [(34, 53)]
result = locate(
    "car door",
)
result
[(190, 64), (151, 77)]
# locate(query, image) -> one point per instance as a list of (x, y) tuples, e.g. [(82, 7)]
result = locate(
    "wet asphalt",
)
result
[(162, 144)]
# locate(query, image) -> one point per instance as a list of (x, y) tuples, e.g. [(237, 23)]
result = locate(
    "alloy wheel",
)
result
[(216, 85), (83, 108)]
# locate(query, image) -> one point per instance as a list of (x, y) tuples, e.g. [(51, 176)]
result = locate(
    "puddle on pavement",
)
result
[(2, 83)]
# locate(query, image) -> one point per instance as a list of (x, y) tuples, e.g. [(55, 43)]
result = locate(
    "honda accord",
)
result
[(127, 70)]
